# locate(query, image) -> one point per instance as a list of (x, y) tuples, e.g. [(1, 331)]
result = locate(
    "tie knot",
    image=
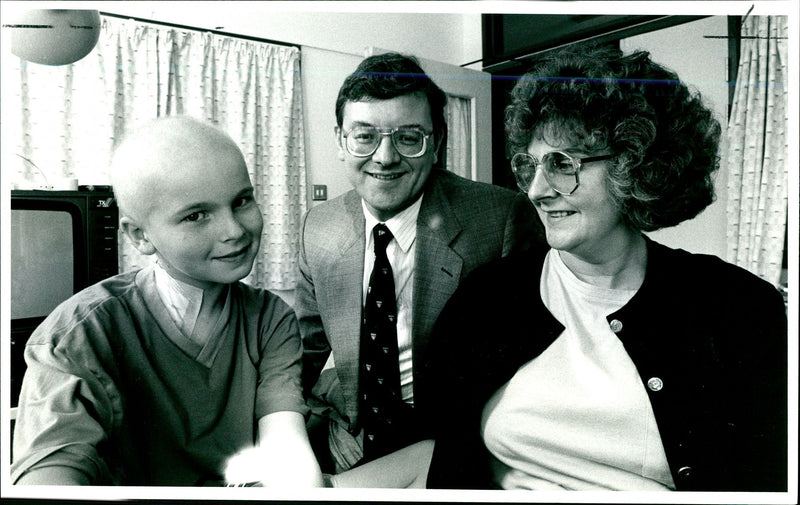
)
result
[(382, 236)]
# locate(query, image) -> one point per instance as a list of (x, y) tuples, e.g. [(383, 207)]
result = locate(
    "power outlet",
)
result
[(320, 192)]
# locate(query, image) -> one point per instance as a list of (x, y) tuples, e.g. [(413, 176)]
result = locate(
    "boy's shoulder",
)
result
[(106, 301), (120, 286)]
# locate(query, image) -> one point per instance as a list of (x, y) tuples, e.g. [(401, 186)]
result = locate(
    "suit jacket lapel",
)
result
[(437, 270), (347, 273)]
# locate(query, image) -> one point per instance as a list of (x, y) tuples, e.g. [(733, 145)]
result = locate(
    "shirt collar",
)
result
[(182, 300), (403, 225)]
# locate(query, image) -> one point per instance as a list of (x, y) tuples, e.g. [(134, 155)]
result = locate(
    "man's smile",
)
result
[(386, 176)]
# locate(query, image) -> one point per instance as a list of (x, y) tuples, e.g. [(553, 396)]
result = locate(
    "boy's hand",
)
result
[(283, 457), (245, 467)]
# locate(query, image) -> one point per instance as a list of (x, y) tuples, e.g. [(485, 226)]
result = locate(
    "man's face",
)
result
[(387, 181)]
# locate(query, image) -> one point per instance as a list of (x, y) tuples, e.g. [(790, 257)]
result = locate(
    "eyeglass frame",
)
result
[(386, 132), (577, 164)]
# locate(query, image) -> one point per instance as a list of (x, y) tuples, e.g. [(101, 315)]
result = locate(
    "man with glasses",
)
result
[(432, 226)]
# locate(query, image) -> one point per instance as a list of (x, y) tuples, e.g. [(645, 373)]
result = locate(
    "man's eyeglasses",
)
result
[(560, 170), (363, 141)]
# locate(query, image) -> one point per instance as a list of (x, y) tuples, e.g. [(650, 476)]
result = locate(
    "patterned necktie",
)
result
[(380, 370)]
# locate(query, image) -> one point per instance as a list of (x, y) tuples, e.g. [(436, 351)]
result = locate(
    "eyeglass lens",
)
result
[(560, 171), (364, 141)]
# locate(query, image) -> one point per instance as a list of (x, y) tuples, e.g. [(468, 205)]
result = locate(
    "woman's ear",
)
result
[(338, 133), (136, 235)]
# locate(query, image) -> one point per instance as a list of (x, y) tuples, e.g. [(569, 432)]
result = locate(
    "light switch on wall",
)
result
[(320, 192)]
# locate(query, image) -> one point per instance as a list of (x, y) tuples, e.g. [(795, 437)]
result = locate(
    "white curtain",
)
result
[(458, 114), (756, 146), (70, 117)]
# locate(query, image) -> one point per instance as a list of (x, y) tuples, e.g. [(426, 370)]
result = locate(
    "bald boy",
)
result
[(175, 374)]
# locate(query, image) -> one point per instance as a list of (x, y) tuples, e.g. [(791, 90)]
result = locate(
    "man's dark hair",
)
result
[(387, 76)]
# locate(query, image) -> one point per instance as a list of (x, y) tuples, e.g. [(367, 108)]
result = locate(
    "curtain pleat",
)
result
[(458, 113), (71, 117), (755, 150)]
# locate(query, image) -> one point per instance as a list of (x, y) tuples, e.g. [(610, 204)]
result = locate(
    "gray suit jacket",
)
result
[(461, 225)]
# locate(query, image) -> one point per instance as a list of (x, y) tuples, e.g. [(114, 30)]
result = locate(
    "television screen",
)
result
[(42, 259)]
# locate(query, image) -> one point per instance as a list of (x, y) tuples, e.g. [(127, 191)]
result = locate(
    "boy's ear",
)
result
[(136, 235), (338, 133)]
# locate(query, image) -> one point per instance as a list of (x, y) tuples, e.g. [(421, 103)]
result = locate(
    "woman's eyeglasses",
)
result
[(560, 170), (363, 141)]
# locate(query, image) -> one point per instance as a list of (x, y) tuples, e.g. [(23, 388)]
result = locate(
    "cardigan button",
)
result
[(685, 473), (655, 384), (616, 325)]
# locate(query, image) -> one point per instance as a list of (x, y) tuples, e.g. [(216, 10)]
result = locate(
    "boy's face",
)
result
[(202, 219)]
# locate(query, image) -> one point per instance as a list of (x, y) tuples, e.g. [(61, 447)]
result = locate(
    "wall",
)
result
[(323, 73), (701, 63)]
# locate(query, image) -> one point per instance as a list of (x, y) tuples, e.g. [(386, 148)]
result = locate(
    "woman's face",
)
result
[(586, 223)]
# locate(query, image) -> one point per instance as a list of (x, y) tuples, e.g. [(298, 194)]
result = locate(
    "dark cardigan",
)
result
[(712, 332)]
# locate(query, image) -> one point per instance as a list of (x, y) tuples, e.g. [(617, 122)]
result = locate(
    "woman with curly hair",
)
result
[(608, 361), (611, 361)]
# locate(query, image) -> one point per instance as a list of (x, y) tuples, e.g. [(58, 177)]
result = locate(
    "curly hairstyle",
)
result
[(664, 138), (387, 76)]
